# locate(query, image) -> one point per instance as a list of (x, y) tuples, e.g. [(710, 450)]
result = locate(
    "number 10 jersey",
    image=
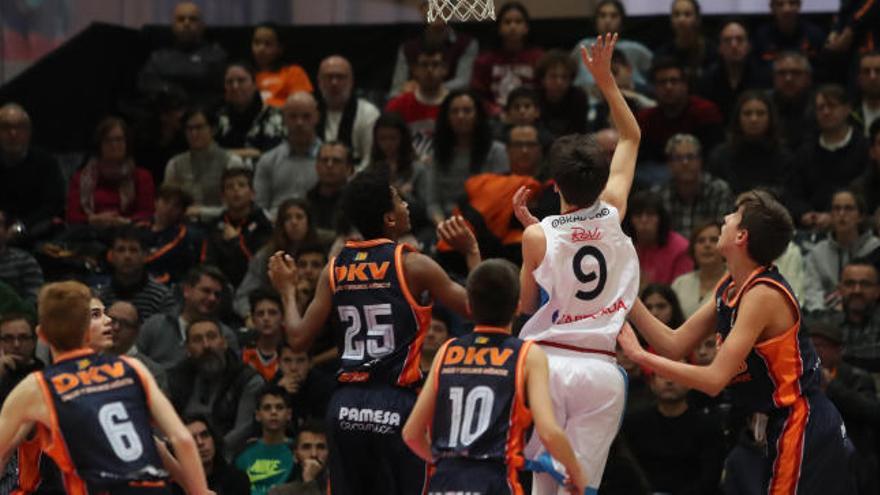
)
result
[(590, 273)]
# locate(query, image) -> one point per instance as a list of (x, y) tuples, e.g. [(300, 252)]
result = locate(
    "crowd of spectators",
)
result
[(250, 157)]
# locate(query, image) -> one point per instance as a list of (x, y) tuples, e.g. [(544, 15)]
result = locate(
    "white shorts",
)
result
[(589, 394)]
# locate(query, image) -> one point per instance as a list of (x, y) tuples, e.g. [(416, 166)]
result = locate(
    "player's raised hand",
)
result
[(521, 208), (630, 344), (283, 272), (597, 58)]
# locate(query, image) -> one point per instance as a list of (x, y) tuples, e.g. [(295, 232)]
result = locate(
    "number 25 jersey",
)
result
[(590, 272)]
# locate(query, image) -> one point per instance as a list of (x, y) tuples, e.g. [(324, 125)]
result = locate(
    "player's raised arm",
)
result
[(597, 58), (673, 343), (301, 330)]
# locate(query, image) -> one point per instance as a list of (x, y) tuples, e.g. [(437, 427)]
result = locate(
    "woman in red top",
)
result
[(109, 190), (663, 253)]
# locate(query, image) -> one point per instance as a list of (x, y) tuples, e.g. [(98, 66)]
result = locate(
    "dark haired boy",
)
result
[(261, 353), (268, 461)]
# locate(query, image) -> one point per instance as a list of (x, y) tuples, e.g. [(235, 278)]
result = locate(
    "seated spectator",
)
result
[(268, 461), (564, 106), (868, 82), (459, 52), (860, 319), (680, 448), (245, 125), (223, 478), (419, 107), (343, 116), (10, 302), (662, 302), (677, 112), (335, 166), (288, 170), (267, 318), (241, 230), (436, 335), (736, 70), (31, 184), (663, 253), (792, 98), (511, 63), (868, 184), (276, 82), (463, 146), (849, 239), (753, 155), (129, 280), (191, 64), (787, 31), (18, 268), (311, 455), (856, 29), (172, 245), (523, 108), (293, 228), (830, 161), (18, 341), (125, 324), (198, 170), (695, 288), (692, 194), (608, 18), (110, 190), (163, 336), (634, 94), (308, 388), (689, 47), (212, 380), (160, 133)]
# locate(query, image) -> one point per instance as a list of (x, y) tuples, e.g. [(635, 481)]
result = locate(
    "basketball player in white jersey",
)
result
[(589, 269)]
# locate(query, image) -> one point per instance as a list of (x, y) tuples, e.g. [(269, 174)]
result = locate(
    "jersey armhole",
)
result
[(789, 297), (56, 447), (147, 395), (401, 277), (331, 274)]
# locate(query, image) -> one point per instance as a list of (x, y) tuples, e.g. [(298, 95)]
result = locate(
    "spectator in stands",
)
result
[(860, 320), (288, 170), (212, 380), (245, 125), (792, 98), (849, 239), (18, 268), (419, 107), (129, 280), (31, 184), (160, 133), (308, 387), (692, 194), (163, 336), (634, 94), (563, 105), (311, 455), (11, 302), (268, 460), (223, 478), (787, 31), (172, 245), (523, 108), (753, 155), (830, 161), (663, 303), (293, 228), (110, 190), (394, 151), (663, 253), (437, 334), (736, 70), (310, 261), (261, 352), (335, 166), (463, 146), (511, 63), (856, 28), (695, 288), (868, 81), (343, 116), (609, 17), (241, 230), (198, 170), (868, 184), (125, 324), (460, 51), (18, 341), (276, 82), (680, 448), (677, 112), (689, 47)]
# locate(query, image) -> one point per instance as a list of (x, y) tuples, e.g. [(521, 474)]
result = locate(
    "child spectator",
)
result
[(268, 461), (275, 81), (172, 245), (267, 314)]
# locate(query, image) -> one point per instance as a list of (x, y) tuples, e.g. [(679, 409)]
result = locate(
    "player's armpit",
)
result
[(534, 246), (424, 274)]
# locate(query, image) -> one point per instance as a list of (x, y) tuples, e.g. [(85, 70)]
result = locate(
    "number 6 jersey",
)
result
[(590, 272), (100, 435)]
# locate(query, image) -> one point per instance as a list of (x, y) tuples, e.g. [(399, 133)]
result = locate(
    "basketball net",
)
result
[(461, 10)]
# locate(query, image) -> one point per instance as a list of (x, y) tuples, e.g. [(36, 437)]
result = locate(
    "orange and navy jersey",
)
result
[(267, 368), (480, 411), (100, 435), (777, 371), (378, 325)]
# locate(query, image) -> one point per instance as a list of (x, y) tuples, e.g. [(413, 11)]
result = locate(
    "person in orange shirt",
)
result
[(275, 81)]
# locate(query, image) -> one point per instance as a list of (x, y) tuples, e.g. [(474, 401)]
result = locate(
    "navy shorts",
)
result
[(456, 476), (367, 452)]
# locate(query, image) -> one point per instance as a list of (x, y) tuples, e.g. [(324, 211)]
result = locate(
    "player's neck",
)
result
[(59, 355), (565, 208), (491, 329), (741, 268)]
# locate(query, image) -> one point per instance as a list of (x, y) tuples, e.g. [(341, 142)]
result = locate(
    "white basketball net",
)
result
[(461, 10)]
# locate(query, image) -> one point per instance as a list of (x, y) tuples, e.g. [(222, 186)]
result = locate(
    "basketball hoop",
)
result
[(461, 10)]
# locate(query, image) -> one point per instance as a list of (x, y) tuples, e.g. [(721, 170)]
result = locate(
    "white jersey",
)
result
[(590, 272)]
